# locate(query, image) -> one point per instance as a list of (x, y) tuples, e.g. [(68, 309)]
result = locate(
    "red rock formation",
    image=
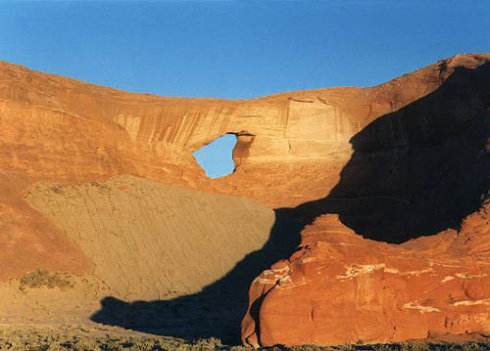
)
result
[(393, 162), (414, 172), (340, 288), (302, 137)]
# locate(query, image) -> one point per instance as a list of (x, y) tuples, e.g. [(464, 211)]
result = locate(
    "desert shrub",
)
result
[(414, 346), (43, 278), (473, 346), (207, 344), (308, 348)]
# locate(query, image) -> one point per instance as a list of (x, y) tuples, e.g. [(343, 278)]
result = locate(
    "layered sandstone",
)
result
[(101, 184), (58, 128), (340, 288), (421, 170)]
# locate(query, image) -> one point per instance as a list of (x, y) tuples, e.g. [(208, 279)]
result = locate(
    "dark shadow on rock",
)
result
[(217, 310), (419, 170), (413, 172)]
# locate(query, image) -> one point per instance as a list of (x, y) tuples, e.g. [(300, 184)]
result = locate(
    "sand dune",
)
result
[(147, 240)]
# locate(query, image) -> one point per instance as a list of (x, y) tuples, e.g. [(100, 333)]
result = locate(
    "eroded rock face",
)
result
[(61, 129), (362, 167), (340, 288), (421, 170)]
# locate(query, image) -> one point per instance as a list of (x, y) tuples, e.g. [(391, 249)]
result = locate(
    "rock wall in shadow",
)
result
[(418, 170), (413, 172)]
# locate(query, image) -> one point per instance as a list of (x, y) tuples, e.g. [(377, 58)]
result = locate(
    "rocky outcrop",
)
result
[(367, 170), (421, 170), (340, 288), (57, 128)]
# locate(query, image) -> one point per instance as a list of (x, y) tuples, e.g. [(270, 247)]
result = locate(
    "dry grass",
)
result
[(43, 278), (35, 340)]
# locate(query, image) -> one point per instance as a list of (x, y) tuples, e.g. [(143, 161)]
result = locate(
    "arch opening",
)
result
[(216, 158)]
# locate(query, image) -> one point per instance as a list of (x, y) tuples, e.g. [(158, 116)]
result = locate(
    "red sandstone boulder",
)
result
[(340, 288)]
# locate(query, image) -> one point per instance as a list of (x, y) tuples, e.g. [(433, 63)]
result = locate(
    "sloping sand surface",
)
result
[(147, 240)]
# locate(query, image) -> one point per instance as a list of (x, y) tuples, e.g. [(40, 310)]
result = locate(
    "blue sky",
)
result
[(216, 157), (238, 49)]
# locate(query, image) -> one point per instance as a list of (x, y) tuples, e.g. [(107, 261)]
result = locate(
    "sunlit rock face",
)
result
[(340, 288), (406, 254), (389, 182), (54, 127)]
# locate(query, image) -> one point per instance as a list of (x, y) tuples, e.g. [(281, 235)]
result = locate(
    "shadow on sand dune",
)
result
[(413, 172), (217, 310)]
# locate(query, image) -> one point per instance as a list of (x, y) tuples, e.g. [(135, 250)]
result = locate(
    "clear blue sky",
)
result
[(216, 157), (237, 49)]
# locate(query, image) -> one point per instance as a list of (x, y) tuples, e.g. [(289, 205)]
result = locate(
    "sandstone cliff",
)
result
[(419, 171), (101, 184), (105, 132)]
